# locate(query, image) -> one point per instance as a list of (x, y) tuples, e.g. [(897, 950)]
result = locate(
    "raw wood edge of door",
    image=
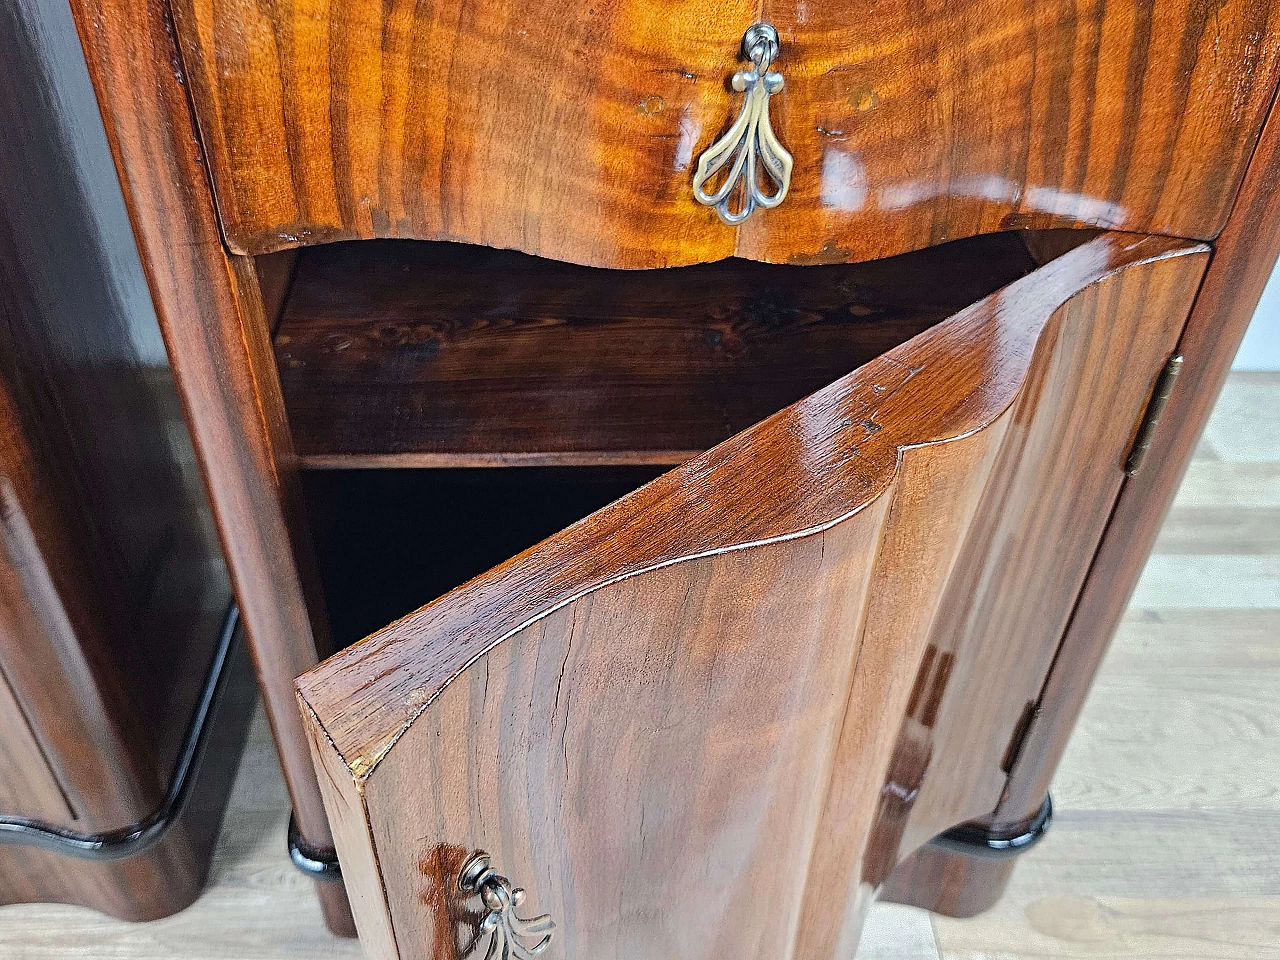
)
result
[(348, 814), (215, 331), (366, 695)]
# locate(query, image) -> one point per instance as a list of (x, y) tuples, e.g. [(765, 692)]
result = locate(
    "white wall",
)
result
[(1261, 347)]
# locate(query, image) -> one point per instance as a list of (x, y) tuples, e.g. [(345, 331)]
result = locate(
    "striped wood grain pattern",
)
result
[(570, 130)]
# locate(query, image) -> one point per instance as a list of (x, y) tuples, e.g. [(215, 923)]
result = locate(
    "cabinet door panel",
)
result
[(699, 722)]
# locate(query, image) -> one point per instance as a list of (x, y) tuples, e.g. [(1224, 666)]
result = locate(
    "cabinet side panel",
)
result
[(1036, 535), (106, 526), (1039, 528), (27, 785)]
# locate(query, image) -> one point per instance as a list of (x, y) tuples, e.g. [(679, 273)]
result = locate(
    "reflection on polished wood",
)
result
[(780, 607), (112, 589), (571, 130)]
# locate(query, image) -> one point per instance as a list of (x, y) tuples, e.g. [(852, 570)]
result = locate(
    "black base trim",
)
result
[(142, 836), (978, 841), (315, 863), (971, 840)]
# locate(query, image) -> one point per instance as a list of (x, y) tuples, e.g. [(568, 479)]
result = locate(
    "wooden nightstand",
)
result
[(855, 471)]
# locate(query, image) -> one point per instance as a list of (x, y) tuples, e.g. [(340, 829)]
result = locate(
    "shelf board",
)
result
[(407, 353)]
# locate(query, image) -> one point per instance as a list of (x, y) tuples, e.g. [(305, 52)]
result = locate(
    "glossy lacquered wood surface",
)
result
[(216, 336), (28, 784), (1242, 263), (1010, 595), (412, 354), (113, 588), (697, 721), (571, 131)]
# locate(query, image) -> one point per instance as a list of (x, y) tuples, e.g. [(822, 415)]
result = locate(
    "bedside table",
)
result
[(772, 407)]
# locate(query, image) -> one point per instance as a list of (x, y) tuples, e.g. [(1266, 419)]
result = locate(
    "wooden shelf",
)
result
[(405, 353)]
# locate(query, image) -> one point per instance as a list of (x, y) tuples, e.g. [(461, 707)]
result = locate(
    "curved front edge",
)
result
[(572, 134), (975, 681)]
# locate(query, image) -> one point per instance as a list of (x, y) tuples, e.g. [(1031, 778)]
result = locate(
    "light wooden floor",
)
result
[(1167, 837)]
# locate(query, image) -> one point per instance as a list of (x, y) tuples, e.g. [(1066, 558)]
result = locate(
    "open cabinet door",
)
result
[(709, 719)]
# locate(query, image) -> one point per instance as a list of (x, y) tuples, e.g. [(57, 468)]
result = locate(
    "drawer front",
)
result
[(573, 131), (709, 719)]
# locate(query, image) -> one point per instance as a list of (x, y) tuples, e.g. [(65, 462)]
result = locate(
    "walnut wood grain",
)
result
[(211, 315), (110, 578), (1007, 603), (1242, 263), (949, 883), (571, 131), (56, 658), (28, 786), (169, 876), (838, 524), (394, 353)]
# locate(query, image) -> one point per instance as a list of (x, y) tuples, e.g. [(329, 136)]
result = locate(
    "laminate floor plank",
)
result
[(1245, 426), (1209, 581)]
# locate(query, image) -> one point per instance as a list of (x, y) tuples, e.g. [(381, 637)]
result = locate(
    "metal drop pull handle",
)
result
[(750, 144), (509, 934)]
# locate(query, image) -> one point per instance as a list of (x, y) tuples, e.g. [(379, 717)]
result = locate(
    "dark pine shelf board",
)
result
[(412, 354)]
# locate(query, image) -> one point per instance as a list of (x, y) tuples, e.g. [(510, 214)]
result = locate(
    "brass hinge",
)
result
[(1151, 416)]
